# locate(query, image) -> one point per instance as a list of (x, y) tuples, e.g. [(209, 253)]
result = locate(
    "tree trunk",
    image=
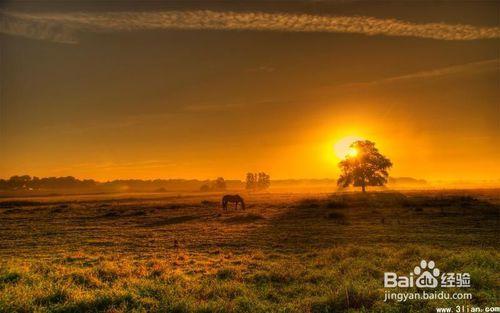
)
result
[(363, 188)]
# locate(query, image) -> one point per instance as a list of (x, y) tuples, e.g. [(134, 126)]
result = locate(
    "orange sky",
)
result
[(183, 103)]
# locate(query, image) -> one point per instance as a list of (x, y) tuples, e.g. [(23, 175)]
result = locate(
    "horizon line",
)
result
[(427, 181)]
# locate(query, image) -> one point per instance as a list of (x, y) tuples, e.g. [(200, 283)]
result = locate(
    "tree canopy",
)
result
[(365, 167), (257, 181)]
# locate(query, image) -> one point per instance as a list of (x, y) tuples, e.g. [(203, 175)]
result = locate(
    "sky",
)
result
[(116, 90)]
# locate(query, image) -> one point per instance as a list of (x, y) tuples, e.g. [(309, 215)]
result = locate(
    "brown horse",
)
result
[(232, 198)]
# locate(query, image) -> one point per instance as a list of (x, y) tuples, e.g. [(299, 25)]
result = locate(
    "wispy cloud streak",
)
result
[(65, 27), (468, 68)]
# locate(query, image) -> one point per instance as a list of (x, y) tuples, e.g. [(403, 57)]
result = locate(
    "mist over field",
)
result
[(26, 185)]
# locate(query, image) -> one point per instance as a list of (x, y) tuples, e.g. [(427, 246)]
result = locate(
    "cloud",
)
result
[(109, 166), (212, 107), (65, 27), (461, 69), (36, 28), (261, 69), (467, 68)]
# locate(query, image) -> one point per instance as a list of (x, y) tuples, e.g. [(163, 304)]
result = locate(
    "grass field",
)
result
[(285, 253)]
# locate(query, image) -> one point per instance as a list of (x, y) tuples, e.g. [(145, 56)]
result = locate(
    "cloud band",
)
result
[(64, 27)]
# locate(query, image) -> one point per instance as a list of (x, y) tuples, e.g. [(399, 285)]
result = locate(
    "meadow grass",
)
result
[(285, 253)]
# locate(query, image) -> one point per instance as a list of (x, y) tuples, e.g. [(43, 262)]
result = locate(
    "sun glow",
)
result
[(352, 152), (343, 148)]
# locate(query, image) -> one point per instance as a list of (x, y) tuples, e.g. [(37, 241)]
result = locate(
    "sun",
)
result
[(343, 148), (352, 152)]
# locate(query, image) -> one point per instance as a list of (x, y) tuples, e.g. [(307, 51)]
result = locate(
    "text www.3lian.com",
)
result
[(468, 309)]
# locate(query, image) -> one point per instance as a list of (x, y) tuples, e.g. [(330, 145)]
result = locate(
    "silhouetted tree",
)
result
[(366, 167), (251, 181), (263, 181), (219, 184), (258, 181)]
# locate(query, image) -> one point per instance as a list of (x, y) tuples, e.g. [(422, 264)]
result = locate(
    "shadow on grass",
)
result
[(246, 218)]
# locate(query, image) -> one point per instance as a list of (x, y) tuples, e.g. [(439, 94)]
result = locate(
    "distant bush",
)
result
[(217, 185), (205, 188)]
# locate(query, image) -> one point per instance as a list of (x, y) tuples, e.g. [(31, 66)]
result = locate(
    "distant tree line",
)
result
[(70, 183), (26, 182), (254, 182)]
